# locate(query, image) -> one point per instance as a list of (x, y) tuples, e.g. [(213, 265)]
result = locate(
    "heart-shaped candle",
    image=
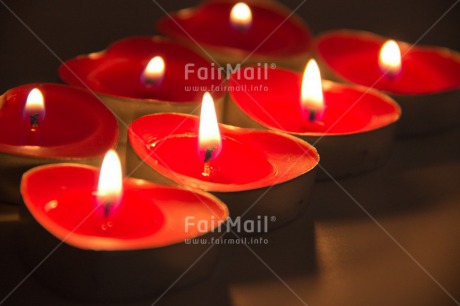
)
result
[(50, 123), (425, 81), (113, 240), (144, 75), (351, 126), (239, 166), (252, 31)]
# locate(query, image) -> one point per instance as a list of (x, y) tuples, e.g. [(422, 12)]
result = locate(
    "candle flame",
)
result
[(209, 139), (34, 109), (241, 16), (110, 189), (312, 100), (155, 70), (390, 57)]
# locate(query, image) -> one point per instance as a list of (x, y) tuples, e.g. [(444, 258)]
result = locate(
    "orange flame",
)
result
[(390, 57), (209, 139), (312, 100), (110, 186), (154, 72), (241, 16)]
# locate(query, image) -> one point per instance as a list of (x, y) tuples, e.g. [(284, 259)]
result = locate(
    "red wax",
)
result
[(353, 55), (61, 198), (248, 159), (76, 124), (348, 109), (118, 71), (272, 32)]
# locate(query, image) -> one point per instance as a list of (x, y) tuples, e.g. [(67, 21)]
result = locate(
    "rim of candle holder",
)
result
[(72, 78), (337, 77), (80, 241), (266, 181), (237, 52), (364, 90), (77, 150)]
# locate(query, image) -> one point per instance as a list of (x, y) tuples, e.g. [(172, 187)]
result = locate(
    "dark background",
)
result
[(334, 254), (71, 28)]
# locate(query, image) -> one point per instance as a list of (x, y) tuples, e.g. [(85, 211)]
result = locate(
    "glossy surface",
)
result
[(249, 158), (76, 124), (353, 55), (62, 199), (348, 109)]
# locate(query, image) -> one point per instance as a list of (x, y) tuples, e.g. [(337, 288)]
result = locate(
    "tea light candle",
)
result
[(50, 123), (127, 236), (237, 165), (352, 127), (252, 31), (145, 75), (425, 81)]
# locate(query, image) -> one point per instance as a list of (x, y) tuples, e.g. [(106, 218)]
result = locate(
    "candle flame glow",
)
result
[(34, 109), (209, 139), (390, 57), (110, 189), (241, 16), (155, 70), (312, 100)]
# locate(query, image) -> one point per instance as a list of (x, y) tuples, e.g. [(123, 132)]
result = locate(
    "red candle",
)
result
[(238, 166), (128, 237), (426, 81), (58, 123), (253, 32), (351, 127), (144, 75)]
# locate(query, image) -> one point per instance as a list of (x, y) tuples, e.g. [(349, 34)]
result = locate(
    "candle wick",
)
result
[(207, 164), (150, 81), (107, 209), (34, 121), (208, 154), (312, 116), (390, 75)]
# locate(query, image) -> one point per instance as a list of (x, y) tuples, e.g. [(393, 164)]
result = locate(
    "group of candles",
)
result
[(135, 229)]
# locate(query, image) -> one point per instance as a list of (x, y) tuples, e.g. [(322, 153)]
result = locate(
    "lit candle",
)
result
[(77, 127), (129, 236), (352, 127), (425, 81), (253, 32), (237, 165), (144, 75)]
